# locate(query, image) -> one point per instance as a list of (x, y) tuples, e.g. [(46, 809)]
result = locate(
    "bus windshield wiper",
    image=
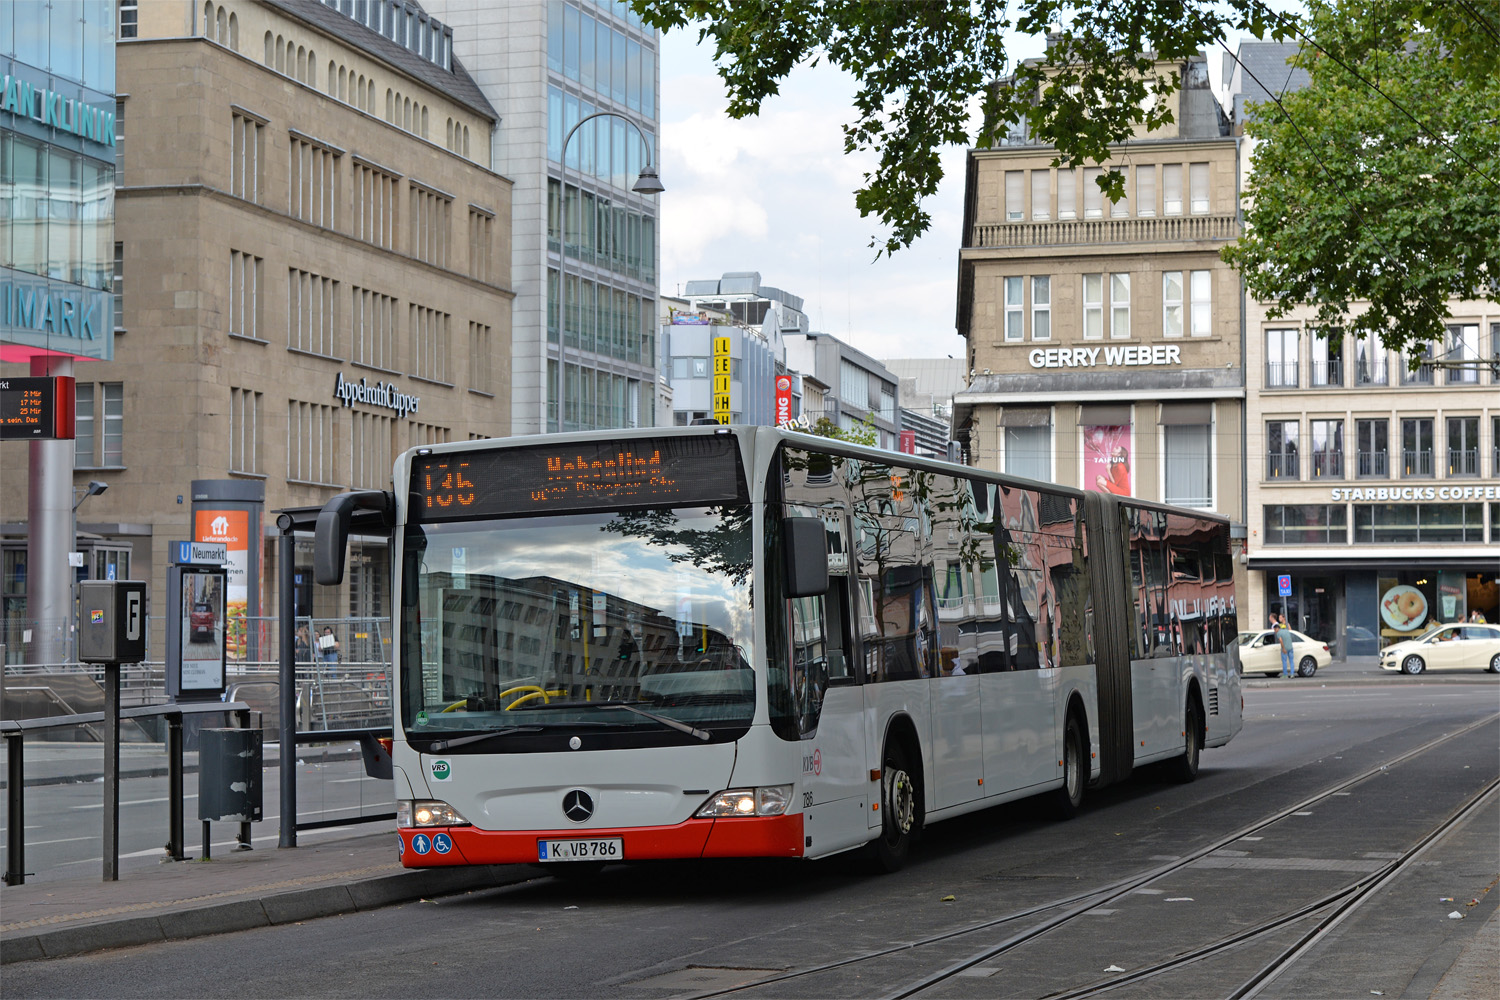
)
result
[(439, 746), (681, 727)]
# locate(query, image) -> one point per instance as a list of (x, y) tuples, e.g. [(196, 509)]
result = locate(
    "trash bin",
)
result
[(229, 768)]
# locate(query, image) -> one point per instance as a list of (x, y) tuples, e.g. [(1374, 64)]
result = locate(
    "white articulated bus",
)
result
[(746, 642)]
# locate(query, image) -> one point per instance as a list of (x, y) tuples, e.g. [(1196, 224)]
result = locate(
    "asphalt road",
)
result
[(657, 931)]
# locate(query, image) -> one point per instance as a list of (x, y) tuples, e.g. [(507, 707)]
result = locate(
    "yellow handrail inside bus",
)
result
[(456, 705)]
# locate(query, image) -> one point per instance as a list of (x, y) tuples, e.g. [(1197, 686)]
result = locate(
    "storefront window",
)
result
[(1388, 524), (1306, 524)]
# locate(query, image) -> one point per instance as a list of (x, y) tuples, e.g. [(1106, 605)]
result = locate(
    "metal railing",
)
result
[(15, 730), (1371, 373), (1281, 374), (1463, 461), (1282, 466), (1328, 373), (1072, 233), (1327, 465), (1416, 463), (1375, 464)]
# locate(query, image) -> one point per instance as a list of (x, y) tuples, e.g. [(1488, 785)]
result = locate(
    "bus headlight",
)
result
[(427, 812), (768, 800)]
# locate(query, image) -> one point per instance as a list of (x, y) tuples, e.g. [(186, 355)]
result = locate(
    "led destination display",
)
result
[(647, 472)]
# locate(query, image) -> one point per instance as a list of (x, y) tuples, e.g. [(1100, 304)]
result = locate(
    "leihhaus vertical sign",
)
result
[(721, 379)]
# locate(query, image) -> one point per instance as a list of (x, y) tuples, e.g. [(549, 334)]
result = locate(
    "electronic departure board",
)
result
[(36, 408), (593, 475)]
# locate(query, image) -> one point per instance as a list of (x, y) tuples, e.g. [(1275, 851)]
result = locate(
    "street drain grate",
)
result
[(704, 977)]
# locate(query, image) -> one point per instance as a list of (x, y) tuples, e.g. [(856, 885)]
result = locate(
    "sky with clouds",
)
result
[(775, 194)]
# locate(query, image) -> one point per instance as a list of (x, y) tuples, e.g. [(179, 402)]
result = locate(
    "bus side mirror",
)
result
[(805, 556), (331, 536)]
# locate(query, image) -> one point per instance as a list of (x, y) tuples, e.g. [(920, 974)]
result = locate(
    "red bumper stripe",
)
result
[(754, 837)]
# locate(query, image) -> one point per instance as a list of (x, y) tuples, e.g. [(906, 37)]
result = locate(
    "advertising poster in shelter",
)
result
[(1107, 459), (232, 527)]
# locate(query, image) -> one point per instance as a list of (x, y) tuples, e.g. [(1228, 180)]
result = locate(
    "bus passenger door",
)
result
[(835, 785)]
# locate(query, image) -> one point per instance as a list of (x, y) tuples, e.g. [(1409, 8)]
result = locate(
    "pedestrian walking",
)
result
[(328, 648), (1284, 636)]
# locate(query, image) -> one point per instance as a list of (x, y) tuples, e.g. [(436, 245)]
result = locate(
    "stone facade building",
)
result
[(1104, 337), (314, 274)]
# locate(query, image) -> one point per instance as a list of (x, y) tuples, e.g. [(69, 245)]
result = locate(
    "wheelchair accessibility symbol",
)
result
[(442, 843), (421, 843)]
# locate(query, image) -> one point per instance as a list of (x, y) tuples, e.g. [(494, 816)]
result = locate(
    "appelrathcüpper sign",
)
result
[(382, 394)]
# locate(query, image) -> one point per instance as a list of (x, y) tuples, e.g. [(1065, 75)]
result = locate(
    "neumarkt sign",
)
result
[(58, 111), (384, 394)]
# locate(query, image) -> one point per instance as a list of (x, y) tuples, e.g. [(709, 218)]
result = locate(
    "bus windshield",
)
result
[(541, 623)]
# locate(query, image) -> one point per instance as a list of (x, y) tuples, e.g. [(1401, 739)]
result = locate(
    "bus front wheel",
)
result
[(900, 821)]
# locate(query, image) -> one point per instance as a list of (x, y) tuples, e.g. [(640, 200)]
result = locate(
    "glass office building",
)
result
[(57, 165)]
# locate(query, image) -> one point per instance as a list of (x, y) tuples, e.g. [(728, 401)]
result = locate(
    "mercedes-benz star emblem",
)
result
[(577, 806)]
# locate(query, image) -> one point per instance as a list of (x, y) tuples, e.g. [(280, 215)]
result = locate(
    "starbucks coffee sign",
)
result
[(1415, 493)]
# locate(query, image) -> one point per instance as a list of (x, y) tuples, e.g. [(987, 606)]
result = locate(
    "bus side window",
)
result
[(809, 661)]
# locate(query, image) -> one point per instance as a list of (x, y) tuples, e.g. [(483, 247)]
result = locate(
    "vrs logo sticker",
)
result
[(441, 770)]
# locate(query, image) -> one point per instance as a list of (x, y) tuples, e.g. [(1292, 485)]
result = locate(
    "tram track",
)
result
[(1085, 901)]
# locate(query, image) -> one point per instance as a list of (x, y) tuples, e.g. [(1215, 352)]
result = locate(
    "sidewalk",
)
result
[(235, 891)]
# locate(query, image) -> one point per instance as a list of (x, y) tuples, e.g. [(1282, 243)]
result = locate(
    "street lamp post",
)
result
[(647, 183)]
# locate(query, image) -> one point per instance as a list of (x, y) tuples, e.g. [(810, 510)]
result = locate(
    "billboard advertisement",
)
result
[(783, 400), (1107, 459), (232, 529)]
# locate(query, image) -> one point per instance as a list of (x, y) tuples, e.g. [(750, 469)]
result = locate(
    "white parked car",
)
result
[(1260, 653), (1446, 647)]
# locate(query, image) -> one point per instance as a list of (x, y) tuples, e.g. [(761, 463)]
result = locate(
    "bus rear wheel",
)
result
[(900, 822), (1185, 768), (1067, 800)]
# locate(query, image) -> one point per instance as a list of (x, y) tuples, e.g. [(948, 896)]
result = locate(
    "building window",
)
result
[(1201, 288), (1281, 359), (1495, 353), (1014, 309), (1041, 195), (119, 142), (119, 286), (1369, 361), (429, 343), (1093, 198), (1372, 448), (420, 435), (1171, 304), (370, 450), (312, 308), (1495, 460), (1307, 524), (1028, 452), (480, 358), (1198, 188), (431, 215), (1119, 306), (1067, 193), (1121, 209), (310, 446), (1145, 191), (1463, 345), (99, 425), (1041, 308), (244, 431), (1422, 374), (244, 294), (247, 153), (481, 240), (1327, 362), (375, 204), (1015, 195), (1407, 523), (130, 12), (1281, 449), (372, 328), (1187, 463), (1327, 449), (1463, 446), (1093, 307), (312, 182), (1416, 447), (1171, 189)]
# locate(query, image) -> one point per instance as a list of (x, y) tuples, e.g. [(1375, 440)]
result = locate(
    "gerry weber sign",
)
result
[(1114, 357), (380, 394), (1392, 493)]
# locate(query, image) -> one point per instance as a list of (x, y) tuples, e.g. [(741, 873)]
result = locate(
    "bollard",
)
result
[(15, 795), (176, 842)]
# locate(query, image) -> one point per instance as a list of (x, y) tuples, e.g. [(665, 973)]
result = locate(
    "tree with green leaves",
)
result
[(1374, 198), (932, 74), (862, 433)]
